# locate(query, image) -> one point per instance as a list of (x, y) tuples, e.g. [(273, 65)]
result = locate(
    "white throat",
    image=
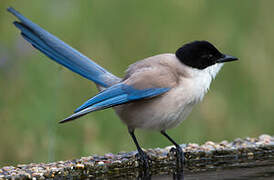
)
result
[(201, 80), (214, 69)]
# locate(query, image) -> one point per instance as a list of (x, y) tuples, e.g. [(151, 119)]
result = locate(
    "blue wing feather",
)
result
[(122, 89), (115, 95), (62, 53), (112, 91)]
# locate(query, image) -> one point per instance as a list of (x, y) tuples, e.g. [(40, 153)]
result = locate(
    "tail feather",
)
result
[(62, 53)]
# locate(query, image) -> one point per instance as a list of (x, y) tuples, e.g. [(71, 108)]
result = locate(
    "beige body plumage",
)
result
[(165, 111)]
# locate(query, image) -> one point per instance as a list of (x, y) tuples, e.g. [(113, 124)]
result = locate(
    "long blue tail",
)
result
[(62, 53)]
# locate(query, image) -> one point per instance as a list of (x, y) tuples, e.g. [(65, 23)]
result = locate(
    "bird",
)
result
[(157, 93)]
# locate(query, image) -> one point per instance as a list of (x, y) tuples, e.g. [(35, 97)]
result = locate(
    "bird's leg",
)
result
[(142, 157), (179, 151)]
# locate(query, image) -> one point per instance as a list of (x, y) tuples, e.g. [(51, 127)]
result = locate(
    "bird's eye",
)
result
[(207, 56)]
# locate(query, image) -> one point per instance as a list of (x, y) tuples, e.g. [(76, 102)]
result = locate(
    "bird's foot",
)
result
[(143, 160), (179, 154)]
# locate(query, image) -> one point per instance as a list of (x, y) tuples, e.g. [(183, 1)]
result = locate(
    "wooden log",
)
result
[(207, 157)]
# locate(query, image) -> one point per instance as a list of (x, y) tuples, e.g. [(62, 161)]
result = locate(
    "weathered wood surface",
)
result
[(207, 157)]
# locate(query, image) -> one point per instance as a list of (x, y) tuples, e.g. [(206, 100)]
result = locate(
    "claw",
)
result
[(179, 154), (143, 159)]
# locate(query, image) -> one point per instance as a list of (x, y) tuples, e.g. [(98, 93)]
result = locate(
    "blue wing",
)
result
[(112, 96), (62, 53)]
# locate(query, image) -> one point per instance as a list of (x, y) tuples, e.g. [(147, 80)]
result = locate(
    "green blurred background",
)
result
[(35, 92)]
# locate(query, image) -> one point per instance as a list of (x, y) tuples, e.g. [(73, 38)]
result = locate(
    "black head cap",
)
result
[(201, 54)]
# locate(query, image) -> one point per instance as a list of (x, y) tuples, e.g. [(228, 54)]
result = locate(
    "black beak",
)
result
[(226, 58)]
